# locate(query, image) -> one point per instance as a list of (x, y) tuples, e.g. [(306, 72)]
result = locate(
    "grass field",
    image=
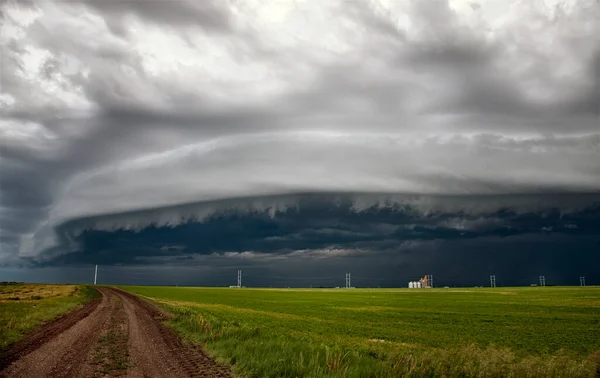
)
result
[(378, 333), (24, 307)]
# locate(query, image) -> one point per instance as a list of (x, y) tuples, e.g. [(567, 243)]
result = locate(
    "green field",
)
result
[(24, 307), (396, 332)]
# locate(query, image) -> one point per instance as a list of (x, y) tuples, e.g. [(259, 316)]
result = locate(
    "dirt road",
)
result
[(117, 335)]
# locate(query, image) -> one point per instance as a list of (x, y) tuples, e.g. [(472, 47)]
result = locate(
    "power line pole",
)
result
[(582, 281), (239, 278), (542, 280), (493, 280), (95, 274)]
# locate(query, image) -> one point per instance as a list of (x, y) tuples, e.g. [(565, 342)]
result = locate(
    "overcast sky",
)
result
[(298, 138)]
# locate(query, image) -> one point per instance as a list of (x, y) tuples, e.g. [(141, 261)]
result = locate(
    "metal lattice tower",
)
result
[(239, 278), (542, 280), (430, 280), (582, 281), (493, 280)]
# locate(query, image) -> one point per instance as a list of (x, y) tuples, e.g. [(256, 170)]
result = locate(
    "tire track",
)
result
[(117, 335), (156, 350), (65, 354), (46, 333)]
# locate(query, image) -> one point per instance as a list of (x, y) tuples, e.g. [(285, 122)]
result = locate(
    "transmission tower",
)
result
[(582, 281), (542, 280), (348, 284), (493, 280), (430, 280), (239, 278)]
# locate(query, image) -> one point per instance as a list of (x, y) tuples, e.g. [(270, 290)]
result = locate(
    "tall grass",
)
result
[(256, 352), (311, 334)]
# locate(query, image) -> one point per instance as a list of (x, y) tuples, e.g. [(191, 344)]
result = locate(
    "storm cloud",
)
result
[(277, 132)]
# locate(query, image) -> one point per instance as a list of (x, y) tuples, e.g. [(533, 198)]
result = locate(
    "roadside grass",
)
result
[(23, 307), (513, 332), (111, 355)]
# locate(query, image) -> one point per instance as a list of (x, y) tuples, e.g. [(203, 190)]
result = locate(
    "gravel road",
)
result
[(116, 335)]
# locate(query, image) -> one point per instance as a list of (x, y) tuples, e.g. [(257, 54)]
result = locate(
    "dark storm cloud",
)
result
[(419, 233), (132, 105), (517, 258)]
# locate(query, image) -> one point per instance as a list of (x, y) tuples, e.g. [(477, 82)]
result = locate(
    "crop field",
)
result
[(24, 307), (541, 331)]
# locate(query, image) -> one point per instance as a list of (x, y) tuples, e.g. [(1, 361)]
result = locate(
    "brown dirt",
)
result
[(117, 335)]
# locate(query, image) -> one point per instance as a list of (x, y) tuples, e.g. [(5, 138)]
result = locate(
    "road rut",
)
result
[(118, 335)]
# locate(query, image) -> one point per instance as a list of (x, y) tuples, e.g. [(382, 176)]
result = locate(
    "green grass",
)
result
[(387, 333), (23, 307)]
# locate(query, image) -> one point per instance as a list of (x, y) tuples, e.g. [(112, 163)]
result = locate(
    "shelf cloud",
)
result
[(126, 118)]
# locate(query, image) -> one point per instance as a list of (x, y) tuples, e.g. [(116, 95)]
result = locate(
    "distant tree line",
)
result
[(8, 283)]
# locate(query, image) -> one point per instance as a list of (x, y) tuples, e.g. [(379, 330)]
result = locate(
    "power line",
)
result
[(219, 277)]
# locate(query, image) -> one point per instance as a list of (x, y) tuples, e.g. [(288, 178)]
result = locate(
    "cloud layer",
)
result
[(459, 239), (121, 107)]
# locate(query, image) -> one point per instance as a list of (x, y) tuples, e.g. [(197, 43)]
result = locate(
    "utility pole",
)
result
[(582, 281), (542, 280), (493, 280), (239, 278), (95, 274)]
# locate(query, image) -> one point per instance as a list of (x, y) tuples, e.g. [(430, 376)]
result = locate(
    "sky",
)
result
[(174, 141)]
